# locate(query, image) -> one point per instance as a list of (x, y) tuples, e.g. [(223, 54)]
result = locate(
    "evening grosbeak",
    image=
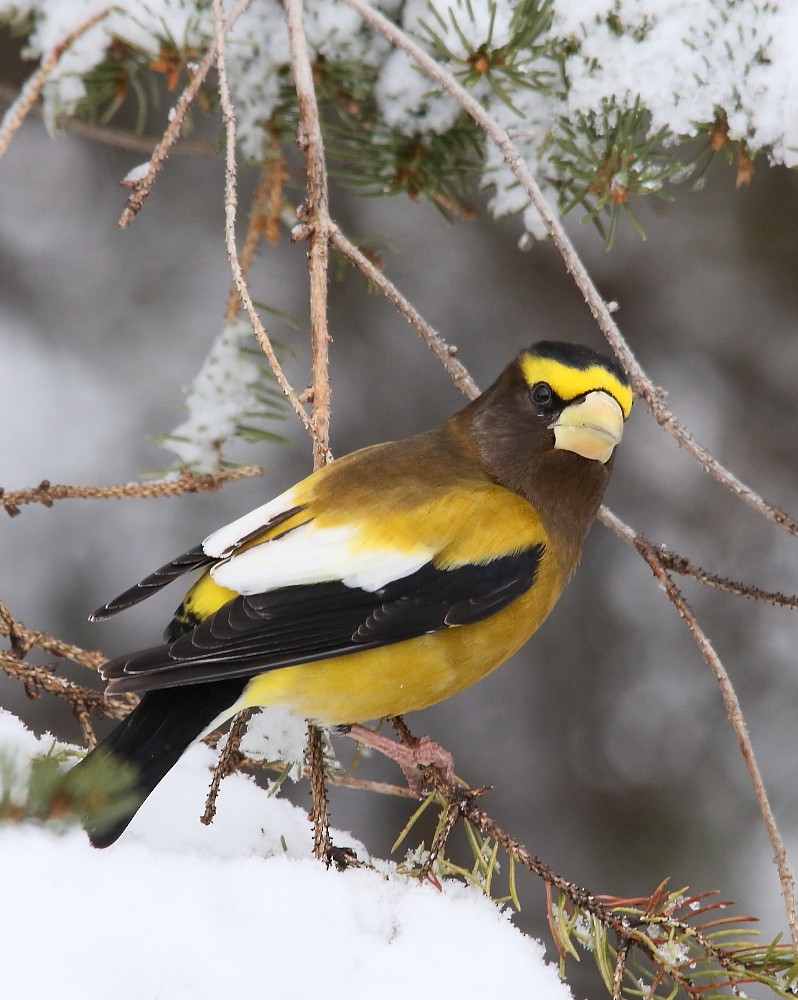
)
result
[(386, 581)]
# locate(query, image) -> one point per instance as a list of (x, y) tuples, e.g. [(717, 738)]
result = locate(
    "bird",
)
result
[(385, 581)]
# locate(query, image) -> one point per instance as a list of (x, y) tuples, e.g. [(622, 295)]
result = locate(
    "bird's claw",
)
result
[(412, 759), (425, 753)]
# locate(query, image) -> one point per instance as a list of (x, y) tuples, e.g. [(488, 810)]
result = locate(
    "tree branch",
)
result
[(226, 764), (676, 563), (731, 704), (446, 353), (230, 204), (315, 225), (143, 184), (186, 482), (23, 639), (262, 217)]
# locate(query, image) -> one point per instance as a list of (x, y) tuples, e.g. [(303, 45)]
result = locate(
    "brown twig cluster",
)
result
[(316, 226), (36, 678)]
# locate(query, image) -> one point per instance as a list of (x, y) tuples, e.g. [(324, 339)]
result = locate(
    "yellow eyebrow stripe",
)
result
[(570, 382)]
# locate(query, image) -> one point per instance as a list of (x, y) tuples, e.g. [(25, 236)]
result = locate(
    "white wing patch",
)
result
[(224, 539), (308, 554)]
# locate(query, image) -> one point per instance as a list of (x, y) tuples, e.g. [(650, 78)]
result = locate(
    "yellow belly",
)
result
[(399, 678)]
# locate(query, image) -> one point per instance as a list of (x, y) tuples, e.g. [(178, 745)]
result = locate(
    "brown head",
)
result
[(547, 429)]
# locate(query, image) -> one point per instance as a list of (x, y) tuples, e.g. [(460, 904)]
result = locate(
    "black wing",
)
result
[(195, 558), (248, 635)]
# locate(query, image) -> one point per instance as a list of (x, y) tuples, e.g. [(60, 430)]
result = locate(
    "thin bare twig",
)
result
[(676, 563), (642, 384), (319, 815), (186, 482), (578, 895), (315, 226), (731, 704), (29, 94), (446, 353), (735, 716), (226, 764), (230, 204), (81, 712), (439, 841), (680, 564), (271, 177), (334, 778), (143, 184), (35, 677), (620, 966)]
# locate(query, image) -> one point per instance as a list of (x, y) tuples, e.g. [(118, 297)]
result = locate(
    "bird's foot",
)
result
[(424, 753)]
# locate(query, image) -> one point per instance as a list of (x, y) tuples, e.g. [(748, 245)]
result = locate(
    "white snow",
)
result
[(221, 393), (135, 174), (408, 102), (462, 26), (274, 733), (177, 910)]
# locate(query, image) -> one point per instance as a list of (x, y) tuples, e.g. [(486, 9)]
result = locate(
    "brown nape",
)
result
[(516, 449)]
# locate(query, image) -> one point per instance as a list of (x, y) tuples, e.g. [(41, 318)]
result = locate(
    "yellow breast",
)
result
[(410, 675)]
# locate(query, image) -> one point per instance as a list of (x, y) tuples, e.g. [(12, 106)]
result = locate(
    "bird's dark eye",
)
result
[(541, 394)]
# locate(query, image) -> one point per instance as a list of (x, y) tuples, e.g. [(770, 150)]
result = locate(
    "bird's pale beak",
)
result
[(591, 427)]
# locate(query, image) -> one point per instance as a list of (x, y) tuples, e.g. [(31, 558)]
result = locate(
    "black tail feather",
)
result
[(152, 739)]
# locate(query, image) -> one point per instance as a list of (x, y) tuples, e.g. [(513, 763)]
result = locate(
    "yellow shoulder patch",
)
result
[(204, 598)]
